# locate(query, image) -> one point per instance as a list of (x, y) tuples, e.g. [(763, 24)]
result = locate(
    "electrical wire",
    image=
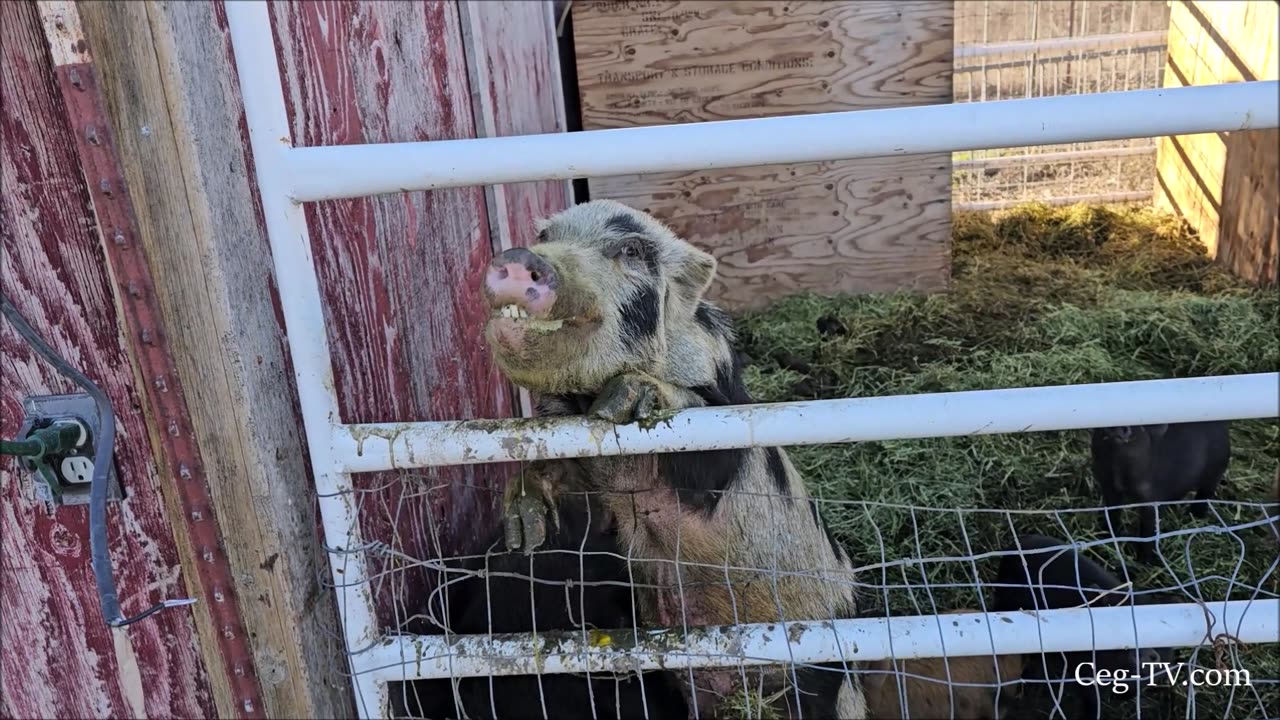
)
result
[(104, 444)]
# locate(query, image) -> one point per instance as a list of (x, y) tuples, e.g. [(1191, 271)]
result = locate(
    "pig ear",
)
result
[(693, 276)]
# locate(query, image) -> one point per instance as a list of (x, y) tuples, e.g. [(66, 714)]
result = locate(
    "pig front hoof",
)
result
[(626, 399), (528, 503)]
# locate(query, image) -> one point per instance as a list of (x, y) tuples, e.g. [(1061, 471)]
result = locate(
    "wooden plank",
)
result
[(400, 274), (844, 227), (60, 659), (176, 113), (224, 641), (1224, 183), (514, 72), (515, 82)]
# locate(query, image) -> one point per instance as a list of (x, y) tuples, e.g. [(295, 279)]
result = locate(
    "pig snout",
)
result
[(521, 278)]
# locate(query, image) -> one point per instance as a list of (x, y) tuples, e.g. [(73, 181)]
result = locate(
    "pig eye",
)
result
[(631, 249)]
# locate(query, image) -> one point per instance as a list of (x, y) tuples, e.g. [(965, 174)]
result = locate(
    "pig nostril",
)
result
[(535, 276)]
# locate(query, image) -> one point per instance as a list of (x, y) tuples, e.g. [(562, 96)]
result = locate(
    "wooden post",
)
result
[(59, 657), (170, 87), (1225, 184)]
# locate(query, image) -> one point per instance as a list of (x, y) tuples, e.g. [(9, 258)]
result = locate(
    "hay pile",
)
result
[(1040, 296)]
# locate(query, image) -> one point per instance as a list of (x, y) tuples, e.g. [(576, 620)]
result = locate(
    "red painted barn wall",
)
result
[(400, 273), (59, 659)]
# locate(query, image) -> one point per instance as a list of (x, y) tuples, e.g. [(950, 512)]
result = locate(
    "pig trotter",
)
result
[(632, 397), (527, 503)]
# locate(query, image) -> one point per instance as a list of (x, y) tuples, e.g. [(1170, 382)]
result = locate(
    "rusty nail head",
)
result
[(248, 706), (161, 385), (91, 134), (119, 237), (198, 516), (74, 76), (239, 670), (207, 554), (184, 472), (173, 428), (217, 594), (227, 632)]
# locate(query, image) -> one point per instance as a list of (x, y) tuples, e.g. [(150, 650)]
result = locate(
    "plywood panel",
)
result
[(1217, 42), (59, 657), (842, 227), (400, 274)]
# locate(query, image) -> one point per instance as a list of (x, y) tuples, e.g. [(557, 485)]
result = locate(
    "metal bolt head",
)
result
[(248, 706), (119, 239), (184, 472), (217, 595), (146, 336), (76, 81), (196, 515), (91, 134), (105, 186), (207, 554), (173, 428), (161, 384)]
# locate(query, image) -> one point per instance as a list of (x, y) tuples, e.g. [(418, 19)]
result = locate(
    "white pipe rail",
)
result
[(332, 172), (1150, 39), (250, 26), (858, 640), (1007, 161), (372, 447)]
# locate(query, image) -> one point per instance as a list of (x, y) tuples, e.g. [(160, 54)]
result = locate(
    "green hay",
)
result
[(1040, 296)]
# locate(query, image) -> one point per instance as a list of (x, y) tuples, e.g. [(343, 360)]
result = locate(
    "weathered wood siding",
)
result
[(59, 657), (400, 277), (401, 274), (1226, 185), (834, 227)]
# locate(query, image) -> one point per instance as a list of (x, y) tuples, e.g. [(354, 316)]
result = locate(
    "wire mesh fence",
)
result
[(1017, 49), (904, 561)]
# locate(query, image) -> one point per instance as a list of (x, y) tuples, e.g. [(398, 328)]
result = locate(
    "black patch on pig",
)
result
[(713, 320), (633, 230), (729, 388), (624, 224), (836, 548), (701, 477), (640, 316), (777, 471), (564, 405)]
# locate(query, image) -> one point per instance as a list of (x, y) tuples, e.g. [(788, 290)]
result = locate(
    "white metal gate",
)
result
[(289, 176)]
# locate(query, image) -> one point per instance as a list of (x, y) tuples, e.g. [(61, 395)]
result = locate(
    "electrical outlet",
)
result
[(67, 479), (77, 470)]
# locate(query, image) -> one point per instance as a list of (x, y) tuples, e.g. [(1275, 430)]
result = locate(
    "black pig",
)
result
[(1055, 576), (580, 579), (1159, 463)]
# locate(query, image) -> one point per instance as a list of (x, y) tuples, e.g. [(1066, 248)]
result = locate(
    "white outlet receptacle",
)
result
[(77, 470)]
